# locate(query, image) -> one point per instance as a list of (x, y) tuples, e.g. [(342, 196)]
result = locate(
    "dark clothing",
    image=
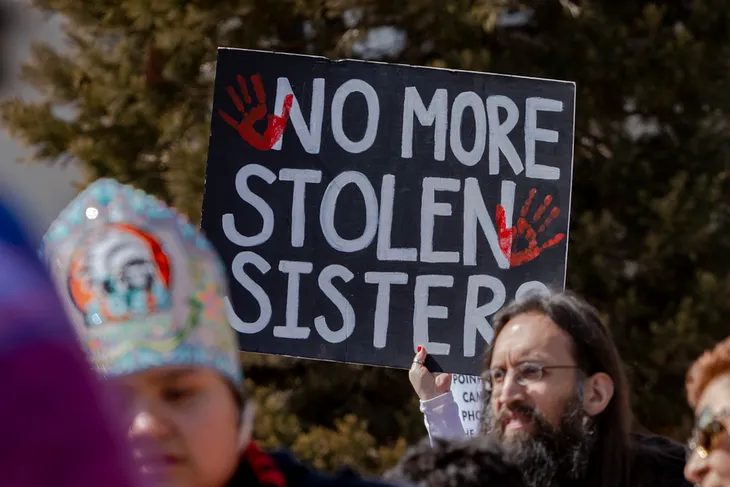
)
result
[(281, 469), (656, 461), (659, 462)]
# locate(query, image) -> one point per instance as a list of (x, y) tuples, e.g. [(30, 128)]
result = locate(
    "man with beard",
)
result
[(557, 399), (548, 455)]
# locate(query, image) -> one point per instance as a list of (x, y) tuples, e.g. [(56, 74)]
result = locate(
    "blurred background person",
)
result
[(476, 462), (708, 392), (56, 425)]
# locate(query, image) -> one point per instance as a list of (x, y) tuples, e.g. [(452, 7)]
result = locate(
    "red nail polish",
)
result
[(419, 348)]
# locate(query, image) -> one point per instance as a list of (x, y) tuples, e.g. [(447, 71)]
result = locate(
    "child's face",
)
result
[(183, 424)]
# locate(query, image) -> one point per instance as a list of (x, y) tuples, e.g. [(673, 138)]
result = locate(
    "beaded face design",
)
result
[(144, 287)]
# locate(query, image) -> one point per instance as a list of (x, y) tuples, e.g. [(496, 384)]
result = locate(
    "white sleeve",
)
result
[(441, 415)]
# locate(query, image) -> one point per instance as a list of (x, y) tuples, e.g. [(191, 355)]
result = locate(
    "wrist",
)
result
[(428, 395), (437, 402)]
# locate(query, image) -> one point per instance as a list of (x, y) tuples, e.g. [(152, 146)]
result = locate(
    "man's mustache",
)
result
[(522, 409)]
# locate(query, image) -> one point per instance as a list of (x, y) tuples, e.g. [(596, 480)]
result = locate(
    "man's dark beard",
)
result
[(548, 456)]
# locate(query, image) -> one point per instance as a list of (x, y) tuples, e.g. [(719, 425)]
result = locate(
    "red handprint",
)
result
[(276, 124), (524, 228)]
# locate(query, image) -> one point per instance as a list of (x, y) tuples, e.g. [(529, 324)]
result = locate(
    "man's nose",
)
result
[(695, 469), (510, 391)]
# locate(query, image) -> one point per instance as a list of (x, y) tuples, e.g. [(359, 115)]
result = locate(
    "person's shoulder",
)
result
[(299, 474), (662, 448), (660, 459)]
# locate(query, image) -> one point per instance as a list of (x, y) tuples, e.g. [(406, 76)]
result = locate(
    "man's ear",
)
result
[(245, 432), (597, 393)]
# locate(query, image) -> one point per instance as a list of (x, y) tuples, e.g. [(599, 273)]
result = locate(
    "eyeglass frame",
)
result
[(542, 368), (714, 422)]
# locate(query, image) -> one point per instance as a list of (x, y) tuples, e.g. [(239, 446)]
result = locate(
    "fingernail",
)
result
[(419, 348)]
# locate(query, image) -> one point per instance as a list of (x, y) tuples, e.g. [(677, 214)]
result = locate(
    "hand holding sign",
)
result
[(427, 384), (276, 124), (524, 228)]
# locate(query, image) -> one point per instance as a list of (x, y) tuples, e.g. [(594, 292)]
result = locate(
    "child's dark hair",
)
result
[(475, 462)]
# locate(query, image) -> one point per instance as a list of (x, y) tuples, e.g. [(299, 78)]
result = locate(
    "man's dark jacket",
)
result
[(659, 462)]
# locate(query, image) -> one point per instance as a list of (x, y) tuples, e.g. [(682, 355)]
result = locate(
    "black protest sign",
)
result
[(363, 209)]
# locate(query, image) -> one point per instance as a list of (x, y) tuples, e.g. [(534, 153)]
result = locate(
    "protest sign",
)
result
[(363, 209), (467, 392)]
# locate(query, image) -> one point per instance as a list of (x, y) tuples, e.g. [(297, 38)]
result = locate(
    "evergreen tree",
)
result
[(649, 229)]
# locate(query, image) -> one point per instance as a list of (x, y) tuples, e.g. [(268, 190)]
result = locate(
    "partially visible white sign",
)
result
[(467, 391)]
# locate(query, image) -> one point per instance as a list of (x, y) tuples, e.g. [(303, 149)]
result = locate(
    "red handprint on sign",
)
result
[(507, 236), (275, 124)]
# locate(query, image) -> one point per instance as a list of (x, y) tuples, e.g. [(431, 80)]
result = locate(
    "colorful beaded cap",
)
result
[(144, 287)]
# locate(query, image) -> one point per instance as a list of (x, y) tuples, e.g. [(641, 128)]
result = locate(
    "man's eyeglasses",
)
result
[(525, 373), (707, 432)]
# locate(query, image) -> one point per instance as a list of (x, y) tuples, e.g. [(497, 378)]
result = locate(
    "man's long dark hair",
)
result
[(594, 351)]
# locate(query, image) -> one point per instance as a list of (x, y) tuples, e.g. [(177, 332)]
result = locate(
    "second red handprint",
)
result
[(245, 127), (523, 228)]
